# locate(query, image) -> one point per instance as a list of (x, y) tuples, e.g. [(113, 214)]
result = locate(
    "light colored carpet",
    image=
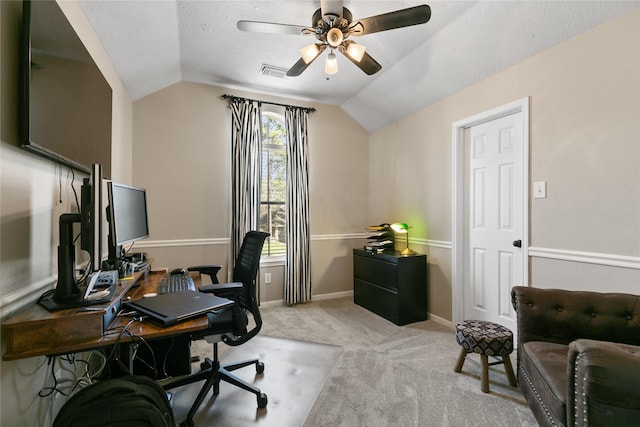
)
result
[(294, 374), (384, 376), (389, 375)]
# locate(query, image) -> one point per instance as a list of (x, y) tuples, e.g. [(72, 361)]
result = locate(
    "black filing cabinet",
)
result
[(391, 285)]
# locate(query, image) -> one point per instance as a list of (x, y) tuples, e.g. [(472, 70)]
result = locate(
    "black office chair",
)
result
[(230, 325)]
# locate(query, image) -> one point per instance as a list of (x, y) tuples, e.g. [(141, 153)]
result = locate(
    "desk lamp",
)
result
[(402, 228)]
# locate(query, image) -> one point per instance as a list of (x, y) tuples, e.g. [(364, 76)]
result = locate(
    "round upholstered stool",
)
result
[(486, 339)]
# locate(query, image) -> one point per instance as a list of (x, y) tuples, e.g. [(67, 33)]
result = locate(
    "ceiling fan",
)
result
[(332, 25)]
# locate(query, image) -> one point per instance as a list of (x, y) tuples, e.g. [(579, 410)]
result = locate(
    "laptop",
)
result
[(169, 309)]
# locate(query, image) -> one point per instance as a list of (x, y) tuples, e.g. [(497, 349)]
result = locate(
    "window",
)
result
[(274, 183)]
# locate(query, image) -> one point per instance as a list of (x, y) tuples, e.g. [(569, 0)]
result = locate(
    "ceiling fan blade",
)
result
[(273, 28), (331, 7), (302, 65), (297, 68), (392, 20), (367, 63)]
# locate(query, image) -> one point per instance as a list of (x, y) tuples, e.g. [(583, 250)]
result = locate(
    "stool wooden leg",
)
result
[(484, 375), (460, 362), (509, 370)]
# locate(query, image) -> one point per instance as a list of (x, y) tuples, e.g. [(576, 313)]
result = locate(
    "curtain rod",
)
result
[(231, 97)]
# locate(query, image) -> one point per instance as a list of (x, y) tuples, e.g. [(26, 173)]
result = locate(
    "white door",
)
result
[(493, 219)]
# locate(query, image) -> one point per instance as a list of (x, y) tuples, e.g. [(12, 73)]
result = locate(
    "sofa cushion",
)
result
[(545, 364)]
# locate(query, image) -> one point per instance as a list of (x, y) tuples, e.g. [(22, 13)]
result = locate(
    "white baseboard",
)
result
[(444, 322), (275, 303), (439, 320), (333, 295)]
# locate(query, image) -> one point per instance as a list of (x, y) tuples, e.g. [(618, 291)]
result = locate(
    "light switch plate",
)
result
[(540, 190)]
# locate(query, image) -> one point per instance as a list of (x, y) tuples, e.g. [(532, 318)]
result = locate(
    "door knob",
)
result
[(517, 243)]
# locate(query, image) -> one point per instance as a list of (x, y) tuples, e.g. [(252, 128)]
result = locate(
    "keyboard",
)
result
[(176, 284)]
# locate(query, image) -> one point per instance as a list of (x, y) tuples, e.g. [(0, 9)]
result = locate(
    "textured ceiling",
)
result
[(154, 44)]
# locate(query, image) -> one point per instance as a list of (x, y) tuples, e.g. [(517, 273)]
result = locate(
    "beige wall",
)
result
[(30, 204), (584, 142), (182, 156)]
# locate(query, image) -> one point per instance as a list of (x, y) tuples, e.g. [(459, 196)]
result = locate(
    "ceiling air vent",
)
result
[(273, 71)]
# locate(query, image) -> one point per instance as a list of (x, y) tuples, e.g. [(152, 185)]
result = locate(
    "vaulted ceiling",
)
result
[(154, 44)]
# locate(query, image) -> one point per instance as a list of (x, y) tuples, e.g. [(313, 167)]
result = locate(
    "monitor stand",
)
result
[(76, 301), (67, 294)]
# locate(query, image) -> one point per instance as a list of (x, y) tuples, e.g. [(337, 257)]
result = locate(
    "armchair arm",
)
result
[(604, 383), (209, 270)]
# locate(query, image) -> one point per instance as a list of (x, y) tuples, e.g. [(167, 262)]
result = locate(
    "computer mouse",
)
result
[(179, 272)]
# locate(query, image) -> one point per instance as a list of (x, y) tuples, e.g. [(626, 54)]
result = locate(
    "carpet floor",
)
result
[(389, 375), (376, 374)]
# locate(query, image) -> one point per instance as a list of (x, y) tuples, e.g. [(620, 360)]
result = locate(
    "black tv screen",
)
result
[(67, 102)]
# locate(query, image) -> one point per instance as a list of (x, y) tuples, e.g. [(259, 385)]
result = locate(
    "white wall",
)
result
[(33, 193)]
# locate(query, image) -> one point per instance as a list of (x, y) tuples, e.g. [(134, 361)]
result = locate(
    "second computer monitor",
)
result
[(127, 216)]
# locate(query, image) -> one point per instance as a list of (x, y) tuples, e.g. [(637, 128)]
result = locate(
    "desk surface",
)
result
[(39, 332)]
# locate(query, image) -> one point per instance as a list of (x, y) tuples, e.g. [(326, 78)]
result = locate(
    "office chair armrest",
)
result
[(239, 340), (222, 289), (209, 270)]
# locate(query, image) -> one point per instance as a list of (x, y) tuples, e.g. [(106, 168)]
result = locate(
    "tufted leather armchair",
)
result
[(579, 356)]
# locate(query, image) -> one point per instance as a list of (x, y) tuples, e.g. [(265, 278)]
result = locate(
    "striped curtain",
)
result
[(246, 153), (297, 275)]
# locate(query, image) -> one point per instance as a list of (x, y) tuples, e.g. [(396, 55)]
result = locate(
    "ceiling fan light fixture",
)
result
[(356, 51), (331, 66), (332, 25), (309, 53), (334, 37)]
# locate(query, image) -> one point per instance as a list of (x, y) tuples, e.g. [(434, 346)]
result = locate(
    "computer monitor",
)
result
[(91, 218), (127, 217)]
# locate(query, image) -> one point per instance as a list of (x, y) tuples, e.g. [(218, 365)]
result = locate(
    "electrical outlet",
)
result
[(267, 277)]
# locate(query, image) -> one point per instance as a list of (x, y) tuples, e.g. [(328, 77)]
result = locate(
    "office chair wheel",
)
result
[(262, 401), (259, 367)]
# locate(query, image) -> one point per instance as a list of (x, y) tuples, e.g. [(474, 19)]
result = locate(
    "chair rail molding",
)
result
[(14, 301), (611, 260), (225, 241), (180, 242), (316, 237), (431, 243), (338, 236)]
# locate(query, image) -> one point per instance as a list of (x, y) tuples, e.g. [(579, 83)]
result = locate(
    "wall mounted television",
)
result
[(66, 102)]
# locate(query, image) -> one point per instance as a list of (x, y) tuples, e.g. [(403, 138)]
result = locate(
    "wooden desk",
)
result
[(39, 332)]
